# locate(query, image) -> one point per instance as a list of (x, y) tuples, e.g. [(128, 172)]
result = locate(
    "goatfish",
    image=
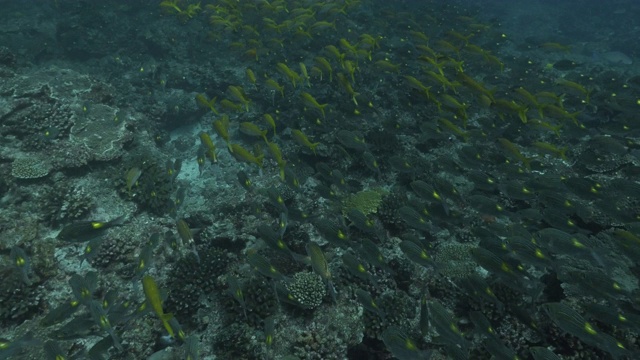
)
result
[(303, 140), (310, 101), (152, 294), (243, 155), (514, 152), (87, 230)]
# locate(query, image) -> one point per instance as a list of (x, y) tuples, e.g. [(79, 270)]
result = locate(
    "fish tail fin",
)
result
[(313, 147), (166, 318), (563, 153)]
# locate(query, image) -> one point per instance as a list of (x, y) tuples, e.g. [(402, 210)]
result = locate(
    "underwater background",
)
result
[(297, 179)]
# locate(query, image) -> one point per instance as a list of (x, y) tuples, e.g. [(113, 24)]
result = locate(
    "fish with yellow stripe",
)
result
[(152, 294)]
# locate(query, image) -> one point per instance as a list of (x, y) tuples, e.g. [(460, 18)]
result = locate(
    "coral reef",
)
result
[(291, 180), (29, 168), (307, 289)]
